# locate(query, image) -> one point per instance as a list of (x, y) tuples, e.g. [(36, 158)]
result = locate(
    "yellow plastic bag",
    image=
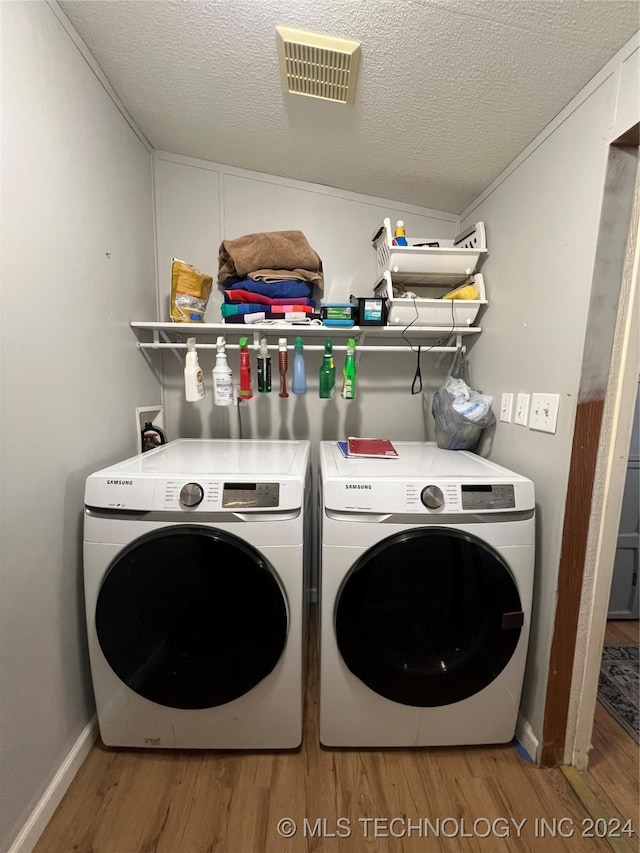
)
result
[(467, 291), (190, 291)]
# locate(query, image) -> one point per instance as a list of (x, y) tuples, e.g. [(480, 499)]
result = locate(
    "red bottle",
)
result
[(246, 392)]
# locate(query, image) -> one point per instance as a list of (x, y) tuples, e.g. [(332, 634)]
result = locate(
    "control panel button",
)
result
[(432, 497), (191, 494)]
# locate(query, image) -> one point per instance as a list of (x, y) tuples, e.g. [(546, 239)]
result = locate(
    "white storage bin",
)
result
[(451, 262), (429, 310)]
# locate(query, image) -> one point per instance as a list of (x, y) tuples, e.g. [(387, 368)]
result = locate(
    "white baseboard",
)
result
[(524, 733), (42, 813)]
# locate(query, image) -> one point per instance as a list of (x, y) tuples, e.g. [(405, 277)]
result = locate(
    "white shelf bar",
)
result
[(433, 339)]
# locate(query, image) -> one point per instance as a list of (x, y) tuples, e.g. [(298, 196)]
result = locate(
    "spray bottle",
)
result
[(349, 372), (193, 379), (246, 392), (299, 384), (222, 378), (283, 364), (264, 368), (327, 371)]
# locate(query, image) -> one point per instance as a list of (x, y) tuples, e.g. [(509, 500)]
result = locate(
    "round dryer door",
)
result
[(191, 617), (428, 617)]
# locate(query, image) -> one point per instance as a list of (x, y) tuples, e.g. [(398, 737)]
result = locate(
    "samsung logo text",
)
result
[(358, 486), (119, 482)]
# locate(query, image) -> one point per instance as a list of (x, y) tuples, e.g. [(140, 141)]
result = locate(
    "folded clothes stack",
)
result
[(271, 273)]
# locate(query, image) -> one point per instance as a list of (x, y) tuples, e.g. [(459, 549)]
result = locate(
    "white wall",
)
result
[(542, 220), (77, 264), (198, 204)]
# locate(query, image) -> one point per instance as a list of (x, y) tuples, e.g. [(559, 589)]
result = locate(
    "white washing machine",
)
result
[(195, 568), (426, 581)]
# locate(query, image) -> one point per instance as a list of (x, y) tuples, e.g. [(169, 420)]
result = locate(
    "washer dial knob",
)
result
[(432, 497), (191, 494)]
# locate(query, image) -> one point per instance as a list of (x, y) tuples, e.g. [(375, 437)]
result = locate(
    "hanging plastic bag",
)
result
[(460, 412)]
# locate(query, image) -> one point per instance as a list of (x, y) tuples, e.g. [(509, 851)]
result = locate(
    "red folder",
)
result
[(378, 448)]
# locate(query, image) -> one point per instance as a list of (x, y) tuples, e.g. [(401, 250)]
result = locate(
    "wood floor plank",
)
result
[(622, 632), (145, 801)]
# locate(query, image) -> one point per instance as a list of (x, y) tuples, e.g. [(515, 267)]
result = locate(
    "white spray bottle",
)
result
[(193, 379), (222, 377)]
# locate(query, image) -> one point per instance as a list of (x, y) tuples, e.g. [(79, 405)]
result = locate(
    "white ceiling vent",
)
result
[(318, 66)]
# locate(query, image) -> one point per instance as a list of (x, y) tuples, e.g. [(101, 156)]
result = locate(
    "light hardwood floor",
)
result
[(134, 801), (614, 760), (622, 631)]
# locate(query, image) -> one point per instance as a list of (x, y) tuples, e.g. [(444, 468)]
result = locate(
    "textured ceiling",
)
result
[(449, 91)]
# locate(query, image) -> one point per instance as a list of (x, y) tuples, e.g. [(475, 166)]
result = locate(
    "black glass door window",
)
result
[(428, 617), (191, 617)]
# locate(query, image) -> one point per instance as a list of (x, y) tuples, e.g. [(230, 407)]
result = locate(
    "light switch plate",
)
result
[(506, 408), (544, 412), (522, 409)]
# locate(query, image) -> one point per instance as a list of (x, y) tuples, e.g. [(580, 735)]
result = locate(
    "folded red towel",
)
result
[(246, 296)]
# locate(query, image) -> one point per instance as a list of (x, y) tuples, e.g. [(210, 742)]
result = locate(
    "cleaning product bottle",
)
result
[(399, 235), (193, 379), (283, 364), (327, 371), (264, 368), (299, 384), (222, 378), (349, 372), (246, 392), (151, 436)]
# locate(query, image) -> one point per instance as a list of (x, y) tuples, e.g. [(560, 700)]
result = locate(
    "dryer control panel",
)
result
[(491, 496), (424, 497)]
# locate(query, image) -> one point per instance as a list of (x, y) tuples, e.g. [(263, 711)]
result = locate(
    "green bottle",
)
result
[(349, 372), (327, 371)]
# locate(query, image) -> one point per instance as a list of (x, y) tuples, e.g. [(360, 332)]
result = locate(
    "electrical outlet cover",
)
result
[(544, 412), (522, 409)]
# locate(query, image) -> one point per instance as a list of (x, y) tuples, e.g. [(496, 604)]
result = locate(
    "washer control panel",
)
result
[(193, 494), (211, 496), (244, 495)]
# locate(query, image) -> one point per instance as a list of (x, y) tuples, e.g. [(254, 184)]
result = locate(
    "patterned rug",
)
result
[(619, 686)]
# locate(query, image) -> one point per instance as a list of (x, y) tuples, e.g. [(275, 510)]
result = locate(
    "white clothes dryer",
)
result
[(426, 580), (195, 566)]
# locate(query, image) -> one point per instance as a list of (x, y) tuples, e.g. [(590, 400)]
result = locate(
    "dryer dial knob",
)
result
[(432, 497), (191, 494)]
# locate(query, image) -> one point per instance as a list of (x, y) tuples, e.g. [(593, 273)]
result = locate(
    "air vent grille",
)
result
[(318, 66)]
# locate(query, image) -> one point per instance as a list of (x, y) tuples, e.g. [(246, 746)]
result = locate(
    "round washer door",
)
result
[(428, 617), (191, 617)]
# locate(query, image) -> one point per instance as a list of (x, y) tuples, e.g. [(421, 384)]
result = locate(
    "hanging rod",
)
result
[(424, 348)]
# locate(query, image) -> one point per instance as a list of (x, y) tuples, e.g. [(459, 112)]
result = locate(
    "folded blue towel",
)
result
[(288, 287)]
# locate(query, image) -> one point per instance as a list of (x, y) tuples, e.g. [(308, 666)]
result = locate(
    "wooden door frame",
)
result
[(602, 431)]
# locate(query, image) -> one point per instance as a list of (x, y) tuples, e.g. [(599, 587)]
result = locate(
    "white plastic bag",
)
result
[(460, 412)]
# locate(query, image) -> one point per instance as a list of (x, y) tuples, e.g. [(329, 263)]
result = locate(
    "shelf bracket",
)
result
[(167, 340), (360, 339)]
